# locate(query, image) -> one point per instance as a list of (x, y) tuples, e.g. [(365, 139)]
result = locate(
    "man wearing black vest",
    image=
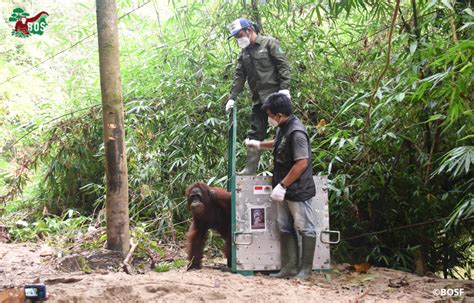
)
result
[(293, 185)]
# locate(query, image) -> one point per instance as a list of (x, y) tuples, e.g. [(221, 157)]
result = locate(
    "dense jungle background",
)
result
[(388, 109)]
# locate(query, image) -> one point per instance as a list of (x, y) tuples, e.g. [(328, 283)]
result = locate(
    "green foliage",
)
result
[(56, 229), (145, 241), (457, 161), (410, 164), (167, 266)]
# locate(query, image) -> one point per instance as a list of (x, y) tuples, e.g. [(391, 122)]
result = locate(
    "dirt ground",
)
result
[(29, 263)]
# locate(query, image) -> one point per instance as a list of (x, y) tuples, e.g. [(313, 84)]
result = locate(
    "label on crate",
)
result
[(262, 189)]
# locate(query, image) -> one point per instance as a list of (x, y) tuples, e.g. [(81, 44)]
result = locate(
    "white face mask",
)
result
[(243, 42), (273, 122)]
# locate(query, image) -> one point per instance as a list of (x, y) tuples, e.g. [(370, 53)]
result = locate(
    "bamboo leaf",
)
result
[(447, 3), (413, 46)]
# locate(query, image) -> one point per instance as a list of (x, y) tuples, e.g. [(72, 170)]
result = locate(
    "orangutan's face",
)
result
[(23, 20), (197, 200)]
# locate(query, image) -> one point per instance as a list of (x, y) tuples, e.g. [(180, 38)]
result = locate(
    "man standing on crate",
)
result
[(263, 64), (293, 185)]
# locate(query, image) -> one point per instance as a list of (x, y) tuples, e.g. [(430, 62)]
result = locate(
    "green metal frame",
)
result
[(231, 172)]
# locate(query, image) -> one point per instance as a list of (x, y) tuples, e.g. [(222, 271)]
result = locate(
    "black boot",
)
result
[(308, 247), (253, 156), (289, 256)]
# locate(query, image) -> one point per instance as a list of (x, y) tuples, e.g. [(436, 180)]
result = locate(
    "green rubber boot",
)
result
[(289, 256), (308, 247), (253, 156)]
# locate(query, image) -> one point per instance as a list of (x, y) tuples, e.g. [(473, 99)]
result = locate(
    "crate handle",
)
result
[(243, 243), (329, 232)]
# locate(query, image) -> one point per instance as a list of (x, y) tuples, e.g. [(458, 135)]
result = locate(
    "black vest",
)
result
[(303, 188)]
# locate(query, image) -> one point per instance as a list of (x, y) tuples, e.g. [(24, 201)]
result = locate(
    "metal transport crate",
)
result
[(256, 237)]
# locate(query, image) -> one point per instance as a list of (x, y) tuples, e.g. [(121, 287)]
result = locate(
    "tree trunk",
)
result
[(118, 237)]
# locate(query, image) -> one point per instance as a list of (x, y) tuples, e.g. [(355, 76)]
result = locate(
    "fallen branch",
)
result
[(126, 266)]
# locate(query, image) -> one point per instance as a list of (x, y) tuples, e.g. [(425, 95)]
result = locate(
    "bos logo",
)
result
[(25, 26)]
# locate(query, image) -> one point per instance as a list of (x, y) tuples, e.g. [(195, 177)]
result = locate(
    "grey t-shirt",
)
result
[(299, 145)]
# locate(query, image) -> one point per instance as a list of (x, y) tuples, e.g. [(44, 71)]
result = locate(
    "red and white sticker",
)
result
[(262, 189)]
